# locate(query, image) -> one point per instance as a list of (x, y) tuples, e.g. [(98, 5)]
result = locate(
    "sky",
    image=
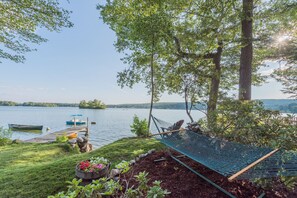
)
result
[(81, 63)]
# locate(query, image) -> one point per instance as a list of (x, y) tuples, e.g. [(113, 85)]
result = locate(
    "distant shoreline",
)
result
[(283, 105)]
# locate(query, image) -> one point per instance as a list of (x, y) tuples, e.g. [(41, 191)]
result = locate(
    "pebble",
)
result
[(132, 162), (114, 173)]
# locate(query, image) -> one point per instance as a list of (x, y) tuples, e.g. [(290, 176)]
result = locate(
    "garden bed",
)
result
[(183, 183)]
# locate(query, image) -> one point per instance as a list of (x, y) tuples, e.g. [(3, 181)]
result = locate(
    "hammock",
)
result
[(230, 159)]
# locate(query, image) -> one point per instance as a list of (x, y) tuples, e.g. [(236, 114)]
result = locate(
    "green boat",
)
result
[(22, 127)]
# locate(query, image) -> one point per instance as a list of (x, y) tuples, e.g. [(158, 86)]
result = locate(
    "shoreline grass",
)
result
[(39, 170)]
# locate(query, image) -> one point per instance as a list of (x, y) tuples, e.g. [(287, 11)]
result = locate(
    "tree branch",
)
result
[(182, 54)]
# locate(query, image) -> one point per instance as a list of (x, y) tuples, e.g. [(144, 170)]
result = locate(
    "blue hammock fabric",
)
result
[(228, 158)]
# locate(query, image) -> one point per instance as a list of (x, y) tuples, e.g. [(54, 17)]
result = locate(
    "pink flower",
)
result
[(100, 166)]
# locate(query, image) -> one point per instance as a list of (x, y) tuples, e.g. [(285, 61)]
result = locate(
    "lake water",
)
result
[(111, 124)]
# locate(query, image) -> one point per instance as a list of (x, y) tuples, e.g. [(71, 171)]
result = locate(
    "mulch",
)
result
[(181, 182)]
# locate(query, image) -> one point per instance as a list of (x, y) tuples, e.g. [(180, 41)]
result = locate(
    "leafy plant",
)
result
[(131, 193), (62, 138), (156, 191), (5, 134), (144, 190), (123, 166), (143, 180), (98, 160), (140, 127), (97, 188)]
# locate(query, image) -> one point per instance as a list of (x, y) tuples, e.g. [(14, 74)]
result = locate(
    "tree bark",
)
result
[(152, 84), (214, 88), (187, 105), (246, 56)]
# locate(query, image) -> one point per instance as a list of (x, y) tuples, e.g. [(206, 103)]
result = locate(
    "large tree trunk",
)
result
[(214, 89), (246, 57)]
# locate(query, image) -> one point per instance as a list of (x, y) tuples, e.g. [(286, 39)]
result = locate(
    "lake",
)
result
[(111, 124)]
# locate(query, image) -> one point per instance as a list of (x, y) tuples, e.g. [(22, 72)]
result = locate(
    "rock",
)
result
[(152, 151), (83, 144), (132, 162), (137, 159), (142, 155), (114, 173), (17, 141)]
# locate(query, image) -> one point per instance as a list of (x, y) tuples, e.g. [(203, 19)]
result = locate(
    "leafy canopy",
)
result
[(20, 20)]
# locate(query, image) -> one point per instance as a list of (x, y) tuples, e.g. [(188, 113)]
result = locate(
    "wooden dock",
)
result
[(51, 137)]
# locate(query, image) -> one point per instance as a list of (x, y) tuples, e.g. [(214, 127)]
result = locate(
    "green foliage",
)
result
[(123, 166), (98, 160), (96, 189), (95, 104), (138, 152), (37, 104), (142, 179), (50, 165), (156, 191), (140, 127), (105, 187), (19, 21), (249, 123), (183, 49), (144, 190), (288, 77), (69, 148), (62, 138), (5, 135)]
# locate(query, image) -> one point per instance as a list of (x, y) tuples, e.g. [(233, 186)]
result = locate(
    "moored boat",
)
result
[(76, 121), (24, 127)]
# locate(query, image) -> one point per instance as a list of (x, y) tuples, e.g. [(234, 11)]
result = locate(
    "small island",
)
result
[(92, 104)]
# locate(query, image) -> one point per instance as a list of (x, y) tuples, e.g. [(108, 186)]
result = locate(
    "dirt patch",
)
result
[(181, 182)]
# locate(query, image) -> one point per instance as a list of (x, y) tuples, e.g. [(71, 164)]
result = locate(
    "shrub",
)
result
[(249, 122), (140, 127), (62, 139), (5, 135)]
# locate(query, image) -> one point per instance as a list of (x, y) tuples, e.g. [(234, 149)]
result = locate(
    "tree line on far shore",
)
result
[(92, 104), (37, 104)]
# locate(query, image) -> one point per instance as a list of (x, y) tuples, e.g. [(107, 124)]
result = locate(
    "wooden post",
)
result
[(87, 129), (251, 165)]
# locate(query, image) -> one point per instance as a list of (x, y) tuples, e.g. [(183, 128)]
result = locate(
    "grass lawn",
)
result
[(39, 170)]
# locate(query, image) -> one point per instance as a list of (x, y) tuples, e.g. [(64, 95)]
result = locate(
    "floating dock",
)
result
[(51, 137)]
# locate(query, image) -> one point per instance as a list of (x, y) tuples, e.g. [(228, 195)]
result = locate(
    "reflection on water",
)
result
[(111, 124)]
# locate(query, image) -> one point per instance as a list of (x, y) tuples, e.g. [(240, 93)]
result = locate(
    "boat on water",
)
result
[(22, 127), (76, 121)]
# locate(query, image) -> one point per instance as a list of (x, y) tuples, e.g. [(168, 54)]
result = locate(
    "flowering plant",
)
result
[(95, 164)]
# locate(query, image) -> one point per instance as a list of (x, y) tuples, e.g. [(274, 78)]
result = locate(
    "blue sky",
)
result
[(82, 63)]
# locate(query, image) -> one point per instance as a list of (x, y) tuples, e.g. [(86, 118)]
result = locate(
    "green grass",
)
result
[(39, 170)]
